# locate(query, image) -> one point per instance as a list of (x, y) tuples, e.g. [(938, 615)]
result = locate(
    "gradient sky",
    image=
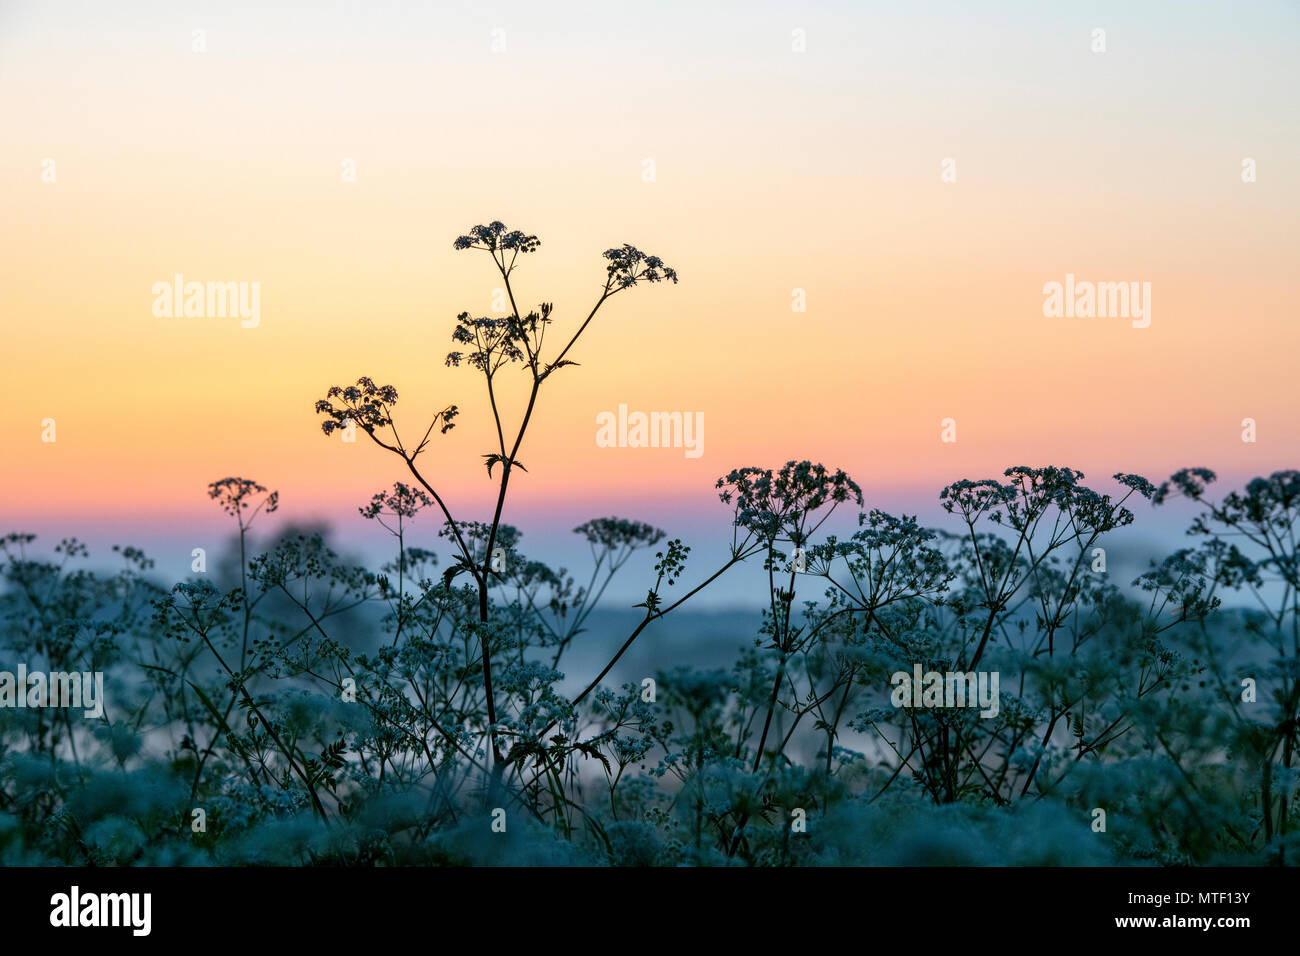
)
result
[(775, 170)]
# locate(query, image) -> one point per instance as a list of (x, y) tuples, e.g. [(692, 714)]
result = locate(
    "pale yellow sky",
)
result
[(774, 171)]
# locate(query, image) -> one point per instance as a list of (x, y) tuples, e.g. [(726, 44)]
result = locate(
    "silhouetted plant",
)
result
[(264, 713), (491, 343), (324, 712)]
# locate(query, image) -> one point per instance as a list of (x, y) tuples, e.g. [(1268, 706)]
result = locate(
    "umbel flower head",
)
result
[(365, 404), (775, 503), (494, 340), (494, 237), (233, 495), (402, 502), (628, 265)]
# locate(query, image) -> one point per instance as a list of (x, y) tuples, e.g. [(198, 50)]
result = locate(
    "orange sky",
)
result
[(775, 171)]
